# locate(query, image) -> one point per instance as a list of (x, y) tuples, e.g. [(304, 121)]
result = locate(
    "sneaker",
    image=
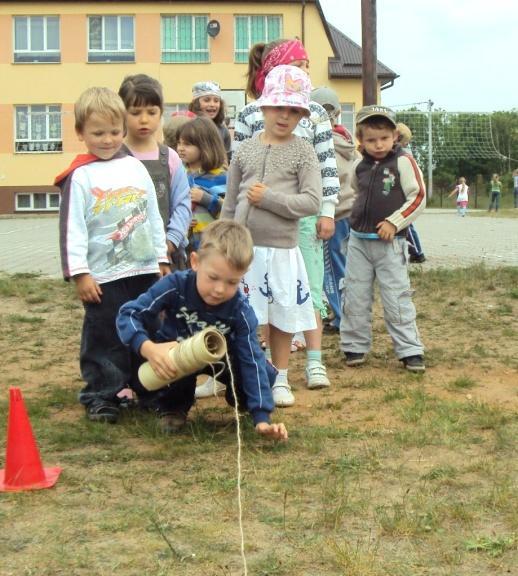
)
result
[(209, 388), (417, 259), (171, 422), (354, 358), (282, 395), (316, 377), (103, 411), (414, 363)]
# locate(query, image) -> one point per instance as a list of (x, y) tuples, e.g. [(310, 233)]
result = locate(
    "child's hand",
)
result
[(158, 356), (325, 227), (87, 289), (196, 194), (274, 431), (386, 230), (165, 269), (255, 193)]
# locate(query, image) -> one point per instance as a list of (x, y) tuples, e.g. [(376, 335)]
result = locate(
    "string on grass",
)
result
[(239, 473)]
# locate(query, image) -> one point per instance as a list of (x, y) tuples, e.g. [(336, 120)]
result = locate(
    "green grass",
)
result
[(491, 545), (463, 383), (385, 474)]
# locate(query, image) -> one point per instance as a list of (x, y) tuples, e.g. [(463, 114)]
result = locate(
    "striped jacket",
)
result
[(214, 186)]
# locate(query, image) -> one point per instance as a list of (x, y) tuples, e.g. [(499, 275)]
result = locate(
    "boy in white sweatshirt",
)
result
[(112, 244)]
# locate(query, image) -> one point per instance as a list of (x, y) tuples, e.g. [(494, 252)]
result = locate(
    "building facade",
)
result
[(51, 51)]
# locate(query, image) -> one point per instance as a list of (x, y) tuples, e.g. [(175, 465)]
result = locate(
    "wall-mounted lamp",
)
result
[(213, 28)]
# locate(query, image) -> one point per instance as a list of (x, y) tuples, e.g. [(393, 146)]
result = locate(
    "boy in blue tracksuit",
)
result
[(191, 300), (389, 194)]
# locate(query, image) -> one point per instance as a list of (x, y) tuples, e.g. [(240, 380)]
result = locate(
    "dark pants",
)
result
[(414, 245), (179, 395), (495, 201), (334, 268), (107, 366), (178, 260)]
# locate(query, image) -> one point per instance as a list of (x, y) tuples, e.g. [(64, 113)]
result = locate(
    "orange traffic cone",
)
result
[(23, 469)]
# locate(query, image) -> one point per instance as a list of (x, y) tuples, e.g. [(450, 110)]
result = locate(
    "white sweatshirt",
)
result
[(110, 226)]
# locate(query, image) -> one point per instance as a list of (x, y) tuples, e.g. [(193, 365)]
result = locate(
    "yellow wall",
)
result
[(62, 83)]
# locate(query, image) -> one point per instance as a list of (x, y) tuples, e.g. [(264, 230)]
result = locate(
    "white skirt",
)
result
[(277, 288)]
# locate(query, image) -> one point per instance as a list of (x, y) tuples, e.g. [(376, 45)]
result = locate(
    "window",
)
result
[(37, 201), (347, 117), (248, 30), (111, 39), (36, 39), (185, 39), (38, 128), (172, 108)]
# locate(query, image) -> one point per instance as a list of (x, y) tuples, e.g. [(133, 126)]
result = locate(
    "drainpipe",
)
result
[(388, 85), (303, 22)]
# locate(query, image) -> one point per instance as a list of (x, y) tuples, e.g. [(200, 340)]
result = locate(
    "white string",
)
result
[(215, 374), (238, 434)]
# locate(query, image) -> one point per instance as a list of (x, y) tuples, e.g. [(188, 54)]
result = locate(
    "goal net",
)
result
[(455, 135)]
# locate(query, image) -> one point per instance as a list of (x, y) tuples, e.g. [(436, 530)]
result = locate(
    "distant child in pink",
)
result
[(462, 192)]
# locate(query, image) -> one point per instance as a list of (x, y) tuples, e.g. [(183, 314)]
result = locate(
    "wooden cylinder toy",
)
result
[(188, 356)]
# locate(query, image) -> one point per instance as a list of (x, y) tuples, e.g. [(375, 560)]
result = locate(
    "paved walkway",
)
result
[(31, 244)]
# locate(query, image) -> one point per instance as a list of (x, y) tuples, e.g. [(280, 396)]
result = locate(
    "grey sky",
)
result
[(461, 54)]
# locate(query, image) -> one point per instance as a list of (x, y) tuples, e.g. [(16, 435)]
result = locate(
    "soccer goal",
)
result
[(440, 134)]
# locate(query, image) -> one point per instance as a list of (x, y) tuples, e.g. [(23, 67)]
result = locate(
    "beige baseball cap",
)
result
[(376, 110)]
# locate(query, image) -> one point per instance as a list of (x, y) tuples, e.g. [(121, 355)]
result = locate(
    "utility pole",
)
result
[(430, 150), (369, 53)]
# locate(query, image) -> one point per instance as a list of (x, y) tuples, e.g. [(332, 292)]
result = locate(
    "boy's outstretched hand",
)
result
[(386, 230), (274, 431)]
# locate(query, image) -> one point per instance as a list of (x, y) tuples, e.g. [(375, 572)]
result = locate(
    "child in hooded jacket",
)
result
[(389, 195)]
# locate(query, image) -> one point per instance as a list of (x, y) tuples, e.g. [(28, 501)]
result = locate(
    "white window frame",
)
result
[(245, 51), (347, 116), (100, 55), (177, 50), (31, 208), (34, 56), (44, 145)]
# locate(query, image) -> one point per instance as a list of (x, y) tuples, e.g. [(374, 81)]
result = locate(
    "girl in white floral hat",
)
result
[(206, 101), (273, 181)]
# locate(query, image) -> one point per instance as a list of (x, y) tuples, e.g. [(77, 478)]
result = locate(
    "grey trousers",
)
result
[(386, 262)]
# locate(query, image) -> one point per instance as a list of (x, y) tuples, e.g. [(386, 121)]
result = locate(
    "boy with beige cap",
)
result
[(390, 194)]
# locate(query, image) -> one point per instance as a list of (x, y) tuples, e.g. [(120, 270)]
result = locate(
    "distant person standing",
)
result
[(462, 192), (515, 187), (496, 192)]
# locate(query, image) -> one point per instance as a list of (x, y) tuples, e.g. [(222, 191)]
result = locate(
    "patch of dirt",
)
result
[(40, 347)]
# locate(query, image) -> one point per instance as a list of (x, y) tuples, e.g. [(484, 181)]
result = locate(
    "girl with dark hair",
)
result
[(201, 150), (143, 99)]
